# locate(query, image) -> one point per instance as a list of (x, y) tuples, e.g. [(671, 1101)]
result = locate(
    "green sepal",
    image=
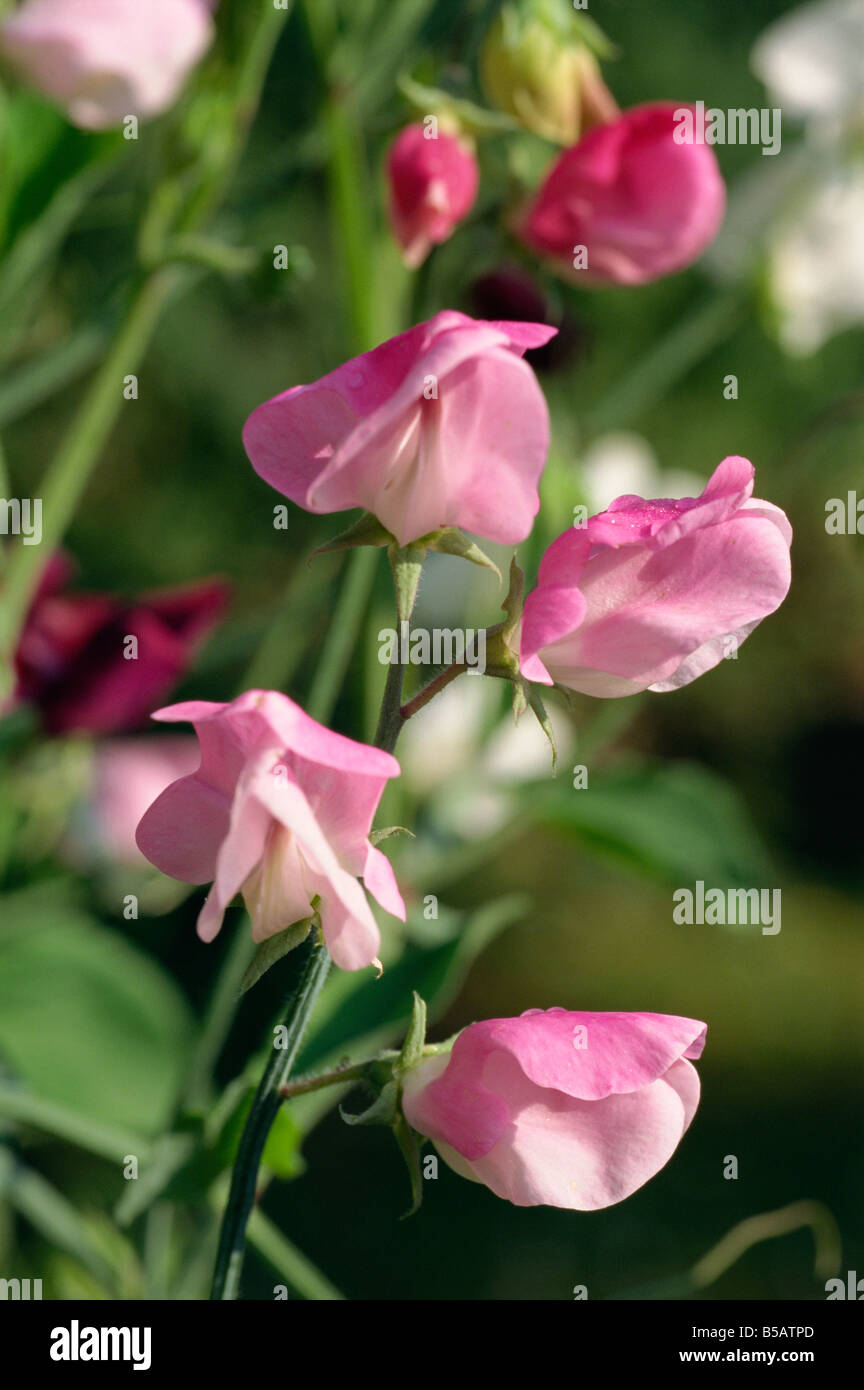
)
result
[(407, 564), (539, 709), (376, 836), (384, 1109), (406, 1138), (450, 541), (501, 659), (415, 1038), (367, 530)]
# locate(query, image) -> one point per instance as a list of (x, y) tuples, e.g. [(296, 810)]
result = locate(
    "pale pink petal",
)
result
[(380, 880)]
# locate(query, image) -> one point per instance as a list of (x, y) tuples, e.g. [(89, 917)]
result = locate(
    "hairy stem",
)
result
[(435, 686)]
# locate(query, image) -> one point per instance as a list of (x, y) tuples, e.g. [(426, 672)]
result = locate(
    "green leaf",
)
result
[(22, 1107), (672, 821), (86, 1019), (273, 949), (282, 1150), (433, 101), (52, 1214)]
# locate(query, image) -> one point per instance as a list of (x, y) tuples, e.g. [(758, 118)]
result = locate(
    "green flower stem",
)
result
[(390, 720), (66, 479), (244, 1178)]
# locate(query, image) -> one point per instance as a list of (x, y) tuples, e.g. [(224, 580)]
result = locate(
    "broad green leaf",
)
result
[(87, 1019), (673, 821)]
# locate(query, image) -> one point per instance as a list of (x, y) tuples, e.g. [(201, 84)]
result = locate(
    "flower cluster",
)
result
[(439, 431)]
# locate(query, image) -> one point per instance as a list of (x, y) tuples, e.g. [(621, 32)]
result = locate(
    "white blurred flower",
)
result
[(812, 61), (444, 737), (467, 758), (816, 266), (797, 226)]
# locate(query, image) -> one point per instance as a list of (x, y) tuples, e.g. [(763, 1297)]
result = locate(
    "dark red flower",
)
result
[(77, 660)]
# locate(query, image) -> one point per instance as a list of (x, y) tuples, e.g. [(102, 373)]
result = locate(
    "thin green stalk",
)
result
[(342, 633), (244, 1178), (677, 353), (435, 686), (66, 479), (63, 485), (339, 1076), (290, 1262)]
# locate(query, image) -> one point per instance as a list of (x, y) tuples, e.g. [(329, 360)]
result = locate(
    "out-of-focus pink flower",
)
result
[(103, 60), (557, 1108), (649, 595), (128, 775), (642, 204), (75, 663), (280, 811), (433, 184), (444, 425)]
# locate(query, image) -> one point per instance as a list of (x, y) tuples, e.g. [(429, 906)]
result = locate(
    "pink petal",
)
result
[(380, 880), (587, 1155)]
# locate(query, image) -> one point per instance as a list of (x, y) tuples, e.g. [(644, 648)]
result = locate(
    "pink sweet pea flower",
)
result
[(433, 184), (280, 811), (642, 204), (72, 658), (128, 775), (650, 595), (103, 60), (444, 425), (557, 1108)]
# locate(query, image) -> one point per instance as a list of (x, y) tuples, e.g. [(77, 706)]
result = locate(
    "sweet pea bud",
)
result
[(538, 64)]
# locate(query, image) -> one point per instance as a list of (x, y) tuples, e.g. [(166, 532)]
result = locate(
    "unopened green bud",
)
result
[(536, 65)]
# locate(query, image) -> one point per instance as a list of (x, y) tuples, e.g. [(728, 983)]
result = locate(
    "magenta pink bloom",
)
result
[(641, 204), (103, 60), (279, 811), (557, 1108), (443, 426), (650, 595), (433, 184), (75, 660)]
